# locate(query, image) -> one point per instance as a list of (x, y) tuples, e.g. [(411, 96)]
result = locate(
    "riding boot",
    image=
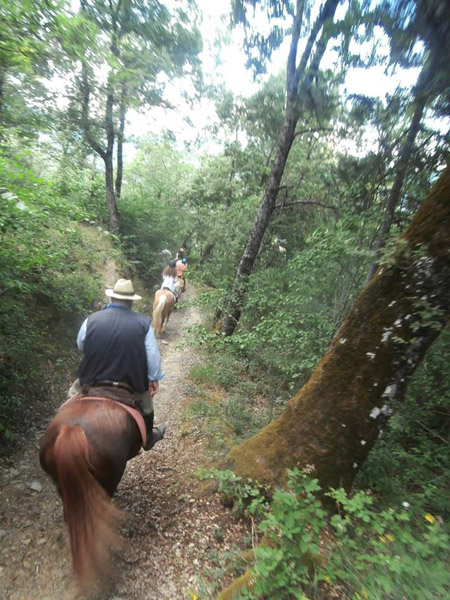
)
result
[(153, 434)]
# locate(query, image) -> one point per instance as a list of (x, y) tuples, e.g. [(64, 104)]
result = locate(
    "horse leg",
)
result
[(165, 314), (158, 313)]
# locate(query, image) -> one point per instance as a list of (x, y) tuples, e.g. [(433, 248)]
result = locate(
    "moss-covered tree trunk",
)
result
[(335, 419)]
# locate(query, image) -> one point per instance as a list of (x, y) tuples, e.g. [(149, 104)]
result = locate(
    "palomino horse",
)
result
[(85, 450), (163, 304)]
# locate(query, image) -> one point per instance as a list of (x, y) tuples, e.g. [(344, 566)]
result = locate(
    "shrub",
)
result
[(363, 551)]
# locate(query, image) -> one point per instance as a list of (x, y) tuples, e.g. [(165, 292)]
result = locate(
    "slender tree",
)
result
[(433, 81), (300, 77), (130, 44)]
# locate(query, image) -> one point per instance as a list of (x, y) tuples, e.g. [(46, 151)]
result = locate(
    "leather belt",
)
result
[(118, 384)]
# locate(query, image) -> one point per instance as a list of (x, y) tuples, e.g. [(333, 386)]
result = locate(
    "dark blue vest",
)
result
[(114, 348)]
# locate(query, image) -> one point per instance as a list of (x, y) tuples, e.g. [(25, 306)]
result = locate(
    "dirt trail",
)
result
[(171, 533)]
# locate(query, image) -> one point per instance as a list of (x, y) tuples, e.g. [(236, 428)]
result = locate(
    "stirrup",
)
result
[(156, 435)]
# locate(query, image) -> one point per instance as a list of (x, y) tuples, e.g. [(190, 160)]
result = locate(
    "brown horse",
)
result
[(163, 304), (85, 450)]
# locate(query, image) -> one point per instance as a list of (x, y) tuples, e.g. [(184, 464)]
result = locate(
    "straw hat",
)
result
[(123, 290)]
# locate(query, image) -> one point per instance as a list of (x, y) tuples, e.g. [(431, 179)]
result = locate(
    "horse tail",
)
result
[(90, 516), (158, 313)]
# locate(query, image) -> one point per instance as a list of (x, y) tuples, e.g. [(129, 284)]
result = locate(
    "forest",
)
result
[(316, 223)]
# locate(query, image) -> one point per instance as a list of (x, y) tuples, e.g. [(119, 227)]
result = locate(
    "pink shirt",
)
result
[(181, 267)]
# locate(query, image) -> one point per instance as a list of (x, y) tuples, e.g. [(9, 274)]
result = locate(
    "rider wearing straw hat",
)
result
[(120, 356)]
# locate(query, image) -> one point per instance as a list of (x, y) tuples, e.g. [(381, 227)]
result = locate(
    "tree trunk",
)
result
[(234, 307), (120, 138), (2, 84), (108, 159), (105, 153), (335, 419), (206, 253), (299, 80), (421, 98), (110, 195)]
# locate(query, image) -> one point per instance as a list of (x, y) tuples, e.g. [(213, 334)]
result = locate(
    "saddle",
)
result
[(175, 296), (137, 416)]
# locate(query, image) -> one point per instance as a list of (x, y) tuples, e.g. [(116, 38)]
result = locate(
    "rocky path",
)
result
[(172, 533)]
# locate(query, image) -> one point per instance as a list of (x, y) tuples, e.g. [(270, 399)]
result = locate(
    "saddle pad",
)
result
[(139, 419)]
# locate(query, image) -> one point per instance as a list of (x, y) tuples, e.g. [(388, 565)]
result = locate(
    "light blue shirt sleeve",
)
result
[(82, 335), (153, 356)]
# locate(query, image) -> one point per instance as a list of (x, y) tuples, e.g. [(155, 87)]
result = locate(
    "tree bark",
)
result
[(298, 83), (110, 195), (206, 253), (266, 209), (106, 153), (109, 168), (421, 98), (120, 139), (335, 419), (2, 83)]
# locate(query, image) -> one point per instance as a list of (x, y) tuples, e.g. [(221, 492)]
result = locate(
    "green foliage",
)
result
[(40, 242), (223, 397), (228, 373), (153, 216), (296, 304), (291, 534), (47, 276), (205, 374), (28, 53), (245, 495), (314, 259), (384, 554), (362, 551), (277, 16)]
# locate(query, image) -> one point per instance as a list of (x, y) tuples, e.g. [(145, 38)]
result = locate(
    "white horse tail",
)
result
[(158, 314)]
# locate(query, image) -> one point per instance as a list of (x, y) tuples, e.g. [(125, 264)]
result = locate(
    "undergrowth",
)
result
[(51, 275), (361, 552), (226, 403), (389, 538)]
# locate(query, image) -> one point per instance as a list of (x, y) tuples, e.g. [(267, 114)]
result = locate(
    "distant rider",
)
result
[(181, 253), (170, 279), (181, 265)]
